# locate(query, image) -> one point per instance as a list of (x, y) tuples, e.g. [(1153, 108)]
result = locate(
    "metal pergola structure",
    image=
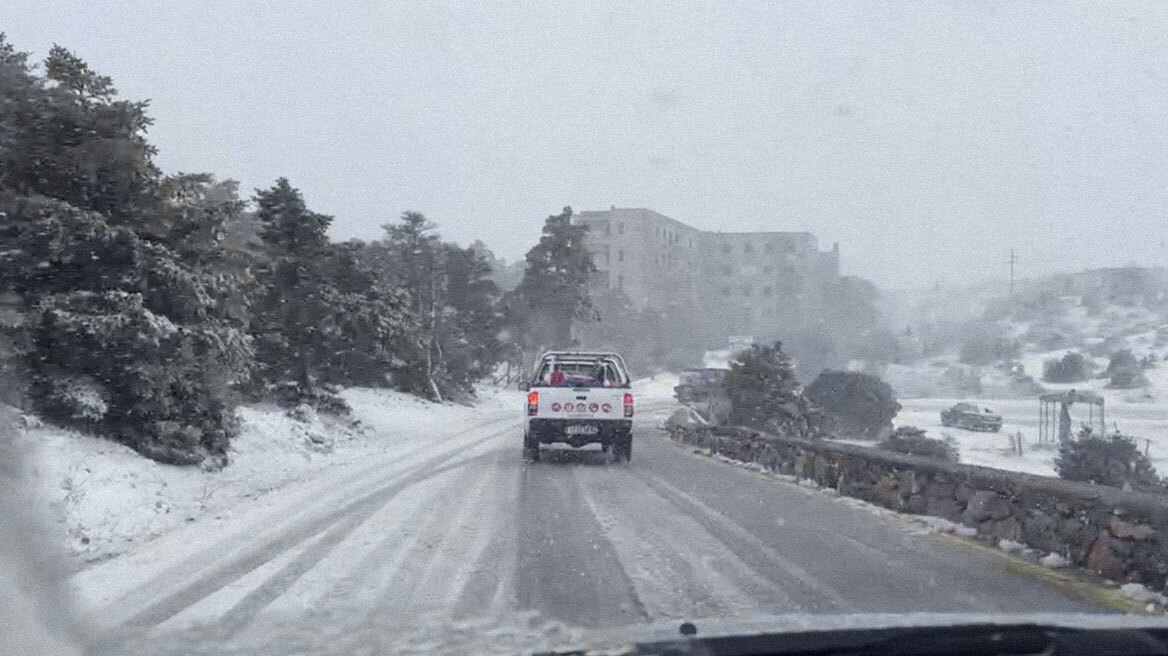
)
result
[(1054, 415)]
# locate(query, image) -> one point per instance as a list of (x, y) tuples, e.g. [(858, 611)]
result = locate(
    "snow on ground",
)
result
[(656, 388), (1147, 422), (927, 386), (109, 499)]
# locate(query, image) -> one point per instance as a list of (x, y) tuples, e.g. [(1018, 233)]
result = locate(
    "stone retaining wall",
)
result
[(1117, 534)]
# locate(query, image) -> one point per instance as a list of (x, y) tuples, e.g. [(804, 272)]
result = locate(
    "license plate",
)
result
[(582, 430)]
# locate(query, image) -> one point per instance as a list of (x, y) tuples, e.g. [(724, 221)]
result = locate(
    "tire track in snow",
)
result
[(351, 569), (259, 599), (358, 592), (226, 571), (703, 578), (567, 570), (488, 591), (491, 513), (428, 568), (135, 580)]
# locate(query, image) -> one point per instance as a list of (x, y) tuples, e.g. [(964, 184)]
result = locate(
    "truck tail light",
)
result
[(628, 404), (532, 403)]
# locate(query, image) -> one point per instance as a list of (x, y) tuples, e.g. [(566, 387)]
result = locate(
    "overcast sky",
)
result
[(926, 138)]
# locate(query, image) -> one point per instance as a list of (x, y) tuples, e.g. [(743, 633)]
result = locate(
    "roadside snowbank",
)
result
[(106, 498)]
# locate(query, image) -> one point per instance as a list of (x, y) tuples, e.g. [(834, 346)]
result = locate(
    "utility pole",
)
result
[(1013, 259)]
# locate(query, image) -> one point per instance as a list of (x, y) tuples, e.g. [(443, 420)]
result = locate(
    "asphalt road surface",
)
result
[(464, 541)]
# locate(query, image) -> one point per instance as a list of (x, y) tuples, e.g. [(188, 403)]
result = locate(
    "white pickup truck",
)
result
[(579, 398)]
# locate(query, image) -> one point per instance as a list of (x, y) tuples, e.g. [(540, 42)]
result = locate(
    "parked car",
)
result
[(698, 385), (970, 417)]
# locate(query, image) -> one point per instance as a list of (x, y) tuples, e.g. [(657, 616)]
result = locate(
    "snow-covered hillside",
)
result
[(108, 498), (1046, 326)]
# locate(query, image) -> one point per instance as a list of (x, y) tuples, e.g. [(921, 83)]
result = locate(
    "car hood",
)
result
[(610, 641)]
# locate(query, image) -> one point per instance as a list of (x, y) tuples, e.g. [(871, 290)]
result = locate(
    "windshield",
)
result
[(462, 327)]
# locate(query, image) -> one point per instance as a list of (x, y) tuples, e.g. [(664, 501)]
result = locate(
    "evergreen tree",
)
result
[(473, 343), (130, 332), (453, 303), (78, 142), (292, 310), (764, 394), (554, 291), (370, 323), (417, 266)]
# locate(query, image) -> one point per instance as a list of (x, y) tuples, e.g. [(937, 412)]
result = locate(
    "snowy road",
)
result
[(458, 537)]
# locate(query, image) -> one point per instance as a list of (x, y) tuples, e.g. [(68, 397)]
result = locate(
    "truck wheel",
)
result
[(622, 448), (608, 449), (530, 449)]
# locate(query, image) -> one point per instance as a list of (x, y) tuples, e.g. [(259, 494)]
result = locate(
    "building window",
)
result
[(620, 228), (725, 248), (691, 242), (620, 282), (620, 256), (607, 229)]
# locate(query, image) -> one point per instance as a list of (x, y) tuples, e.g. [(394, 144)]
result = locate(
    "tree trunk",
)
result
[(432, 345)]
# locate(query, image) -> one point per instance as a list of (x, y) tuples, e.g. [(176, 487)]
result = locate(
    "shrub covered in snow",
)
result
[(1113, 460), (1121, 360), (316, 398), (912, 440), (1126, 371), (859, 405), (1128, 379), (1071, 368)]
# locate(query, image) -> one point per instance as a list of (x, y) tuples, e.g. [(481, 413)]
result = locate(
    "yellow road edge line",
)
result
[(1070, 584)]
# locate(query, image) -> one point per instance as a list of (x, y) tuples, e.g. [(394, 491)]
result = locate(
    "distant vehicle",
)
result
[(698, 385), (970, 417), (580, 398)]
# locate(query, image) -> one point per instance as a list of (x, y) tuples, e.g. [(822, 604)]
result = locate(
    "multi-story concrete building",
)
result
[(744, 281)]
